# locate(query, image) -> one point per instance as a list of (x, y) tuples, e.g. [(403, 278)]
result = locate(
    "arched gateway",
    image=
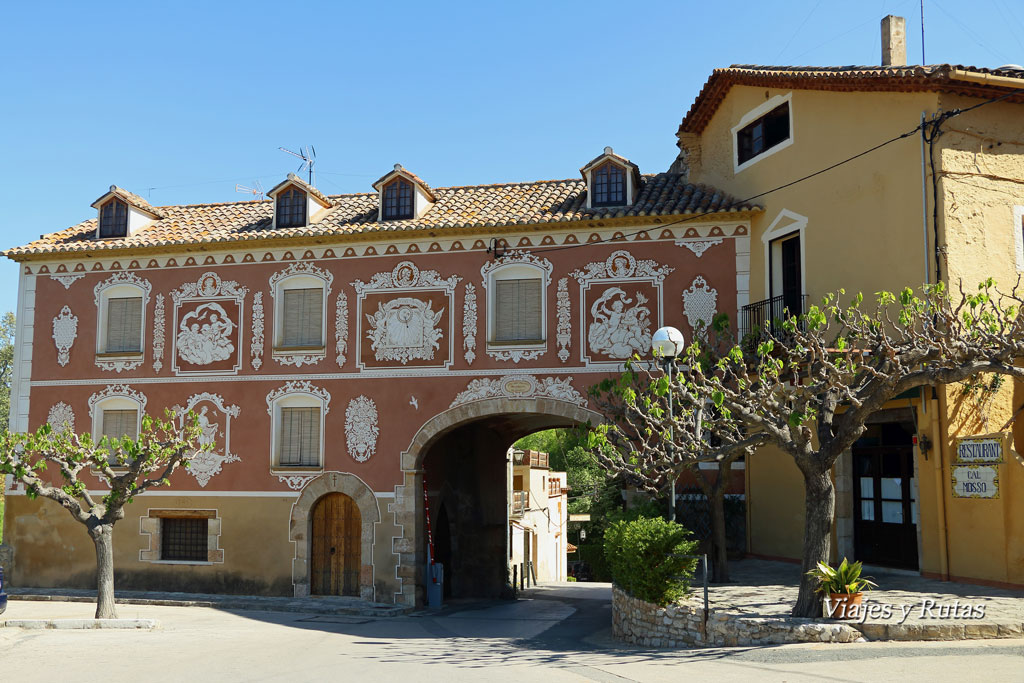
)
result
[(461, 455)]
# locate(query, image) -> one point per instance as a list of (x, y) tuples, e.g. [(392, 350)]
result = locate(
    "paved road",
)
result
[(558, 633)]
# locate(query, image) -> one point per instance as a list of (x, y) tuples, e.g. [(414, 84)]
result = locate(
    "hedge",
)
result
[(638, 554)]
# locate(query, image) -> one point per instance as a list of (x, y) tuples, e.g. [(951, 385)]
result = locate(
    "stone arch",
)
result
[(300, 527), (412, 457), (539, 412)]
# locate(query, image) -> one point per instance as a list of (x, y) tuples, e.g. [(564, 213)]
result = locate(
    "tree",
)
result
[(125, 464), (7, 328), (808, 385), (650, 449)]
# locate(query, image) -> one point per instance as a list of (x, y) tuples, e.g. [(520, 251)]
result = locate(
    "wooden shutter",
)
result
[(119, 423), (517, 316), (124, 325), (300, 437), (303, 317)]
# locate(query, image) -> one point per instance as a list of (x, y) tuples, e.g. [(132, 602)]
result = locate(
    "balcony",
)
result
[(555, 487), (770, 312), (530, 458), (520, 504)]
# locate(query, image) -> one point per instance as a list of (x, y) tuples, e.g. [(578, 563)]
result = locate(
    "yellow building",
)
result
[(884, 220)]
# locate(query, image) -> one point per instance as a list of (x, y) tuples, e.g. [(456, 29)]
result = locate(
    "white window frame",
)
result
[(785, 224), (751, 116), (301, 275), (517, 271), (119, 290), (1018, 236), (295, 399), (117, 402)]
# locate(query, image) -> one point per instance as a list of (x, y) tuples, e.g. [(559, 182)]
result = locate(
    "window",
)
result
[(118, 423), (184, 539), (291, 208), (517, 314), (114, 219), (763, 134), (303, 318), (397, 200), (300, 437), (609, 182), (297, 432), (124, 325)]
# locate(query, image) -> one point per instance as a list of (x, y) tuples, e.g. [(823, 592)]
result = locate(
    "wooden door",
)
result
[(336, 554)]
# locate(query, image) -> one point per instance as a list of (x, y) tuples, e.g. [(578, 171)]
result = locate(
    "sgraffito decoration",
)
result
[(520, 386), (61, 418), (469, 320), (521, 258), (620, 306), (215, 422), (698, 247), (65, 331), (700, 303), (361, 428), (407, 318), (302, 357), (116, 391), (207, 326), (67, 280), (256, 344), (341, 328), (563, 335), (144, 288), (158, 333)]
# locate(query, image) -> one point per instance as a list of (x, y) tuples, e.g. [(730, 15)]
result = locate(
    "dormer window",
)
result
[(114, 219), (397, 199), (609, 185), (291, 208), (612, 180)]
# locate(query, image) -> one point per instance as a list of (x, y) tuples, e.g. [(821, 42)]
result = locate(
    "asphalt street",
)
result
[(555, 633)]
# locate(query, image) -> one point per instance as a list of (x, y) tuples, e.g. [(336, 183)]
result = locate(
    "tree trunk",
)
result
[(103, 538), (719, 548), (819, 510)]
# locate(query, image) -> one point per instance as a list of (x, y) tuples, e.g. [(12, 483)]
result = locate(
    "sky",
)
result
[(179, 102)]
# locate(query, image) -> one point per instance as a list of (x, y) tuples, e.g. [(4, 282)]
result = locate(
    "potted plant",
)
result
[(844, 587)]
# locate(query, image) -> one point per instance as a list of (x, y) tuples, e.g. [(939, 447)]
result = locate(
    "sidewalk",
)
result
[(311, 605)]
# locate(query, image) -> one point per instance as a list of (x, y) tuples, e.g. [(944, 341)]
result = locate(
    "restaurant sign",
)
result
[(976, 481), (989, 448)]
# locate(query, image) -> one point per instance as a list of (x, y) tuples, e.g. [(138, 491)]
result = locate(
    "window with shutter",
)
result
[(124, 325), (517, 314), (303, 318), (121, 423), (299, 441)]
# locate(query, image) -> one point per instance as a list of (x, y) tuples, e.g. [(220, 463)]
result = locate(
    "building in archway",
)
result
[(345, 354), (538, 517)]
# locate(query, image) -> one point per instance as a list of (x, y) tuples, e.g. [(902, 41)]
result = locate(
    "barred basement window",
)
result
[(184, 539), (124, 325), (518, 307), (303, 318), (114, 219), (299, 440), (397, 200), (291, 209)]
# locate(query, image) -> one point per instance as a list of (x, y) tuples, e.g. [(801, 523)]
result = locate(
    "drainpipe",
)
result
[(924, 204), (939, 429)]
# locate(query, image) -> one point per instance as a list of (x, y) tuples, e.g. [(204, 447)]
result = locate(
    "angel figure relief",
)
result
[(204, 335), (619, 329), (404, 329)]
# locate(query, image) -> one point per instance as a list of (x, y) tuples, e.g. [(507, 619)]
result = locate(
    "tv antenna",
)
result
[(308, 156), (256, 190)]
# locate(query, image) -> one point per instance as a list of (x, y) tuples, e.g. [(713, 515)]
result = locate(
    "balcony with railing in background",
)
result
[(530, 458), (554, 487), (771, 313), (520, 503)]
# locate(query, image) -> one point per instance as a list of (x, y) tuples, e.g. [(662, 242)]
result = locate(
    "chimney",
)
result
[(894, 41)]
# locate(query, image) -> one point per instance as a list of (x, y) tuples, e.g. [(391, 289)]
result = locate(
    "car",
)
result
[(3, 596)]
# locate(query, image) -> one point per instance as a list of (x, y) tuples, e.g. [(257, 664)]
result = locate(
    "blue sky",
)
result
[(180, 101)]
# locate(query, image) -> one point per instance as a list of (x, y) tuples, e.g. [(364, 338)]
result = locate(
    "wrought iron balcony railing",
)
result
[(771, 313)]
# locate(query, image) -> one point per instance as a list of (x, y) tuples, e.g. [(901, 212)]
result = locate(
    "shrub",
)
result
[(638, 553)]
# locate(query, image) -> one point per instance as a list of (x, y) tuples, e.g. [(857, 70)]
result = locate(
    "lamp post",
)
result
[(666, 344)]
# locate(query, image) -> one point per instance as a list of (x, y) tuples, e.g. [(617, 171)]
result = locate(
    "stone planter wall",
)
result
[(7, 560), (682, 625)]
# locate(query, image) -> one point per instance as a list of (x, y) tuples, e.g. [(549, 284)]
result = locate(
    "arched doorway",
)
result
[(336, 553), (463, 451)]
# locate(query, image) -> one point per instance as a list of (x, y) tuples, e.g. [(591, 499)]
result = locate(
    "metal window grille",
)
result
[(184, 539)]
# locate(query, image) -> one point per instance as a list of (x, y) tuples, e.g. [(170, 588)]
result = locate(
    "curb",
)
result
[(81, 624), (231, 604)]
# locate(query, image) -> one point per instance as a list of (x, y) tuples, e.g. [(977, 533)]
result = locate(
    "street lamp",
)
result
[(666, 344)]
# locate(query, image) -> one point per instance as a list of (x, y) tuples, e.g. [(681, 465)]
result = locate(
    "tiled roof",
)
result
[(293, 179), (129, 198), (475, 206), (936, 77)]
